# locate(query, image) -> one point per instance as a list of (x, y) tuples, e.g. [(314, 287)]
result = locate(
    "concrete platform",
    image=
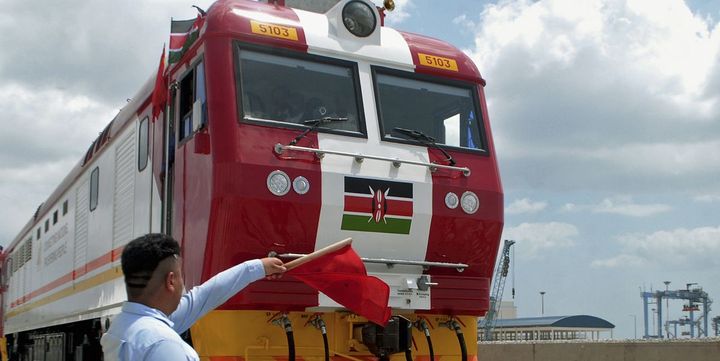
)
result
[(655, 350)]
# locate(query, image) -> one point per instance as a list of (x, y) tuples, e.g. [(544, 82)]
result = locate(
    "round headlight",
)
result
[(451, 200), (359, 18), (469, 202), (278, 183), (301, 185)]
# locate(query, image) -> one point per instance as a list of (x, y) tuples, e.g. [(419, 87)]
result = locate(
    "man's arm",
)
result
[(211, 294)]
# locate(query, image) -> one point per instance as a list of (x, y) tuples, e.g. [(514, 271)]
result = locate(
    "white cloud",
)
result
[(465, 22), (695, 248), (624, 206), (534, 238), (602, 94), (623, 260), (707, 198), (525, 205), (48, 123), (45, 133), (621, 205)]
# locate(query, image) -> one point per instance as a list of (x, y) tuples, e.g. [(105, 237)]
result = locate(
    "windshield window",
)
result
[(445, 112), (290, 90)]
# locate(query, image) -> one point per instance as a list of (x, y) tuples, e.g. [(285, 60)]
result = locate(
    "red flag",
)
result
[(159, 96), (341, 275)]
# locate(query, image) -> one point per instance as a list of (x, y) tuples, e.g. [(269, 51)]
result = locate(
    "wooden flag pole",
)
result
[(319, 253)]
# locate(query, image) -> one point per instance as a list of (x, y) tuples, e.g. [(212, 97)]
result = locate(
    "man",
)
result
[(158, 310)]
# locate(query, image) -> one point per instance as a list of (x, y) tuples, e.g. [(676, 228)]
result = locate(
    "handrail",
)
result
[(359, 157), (391, 262)]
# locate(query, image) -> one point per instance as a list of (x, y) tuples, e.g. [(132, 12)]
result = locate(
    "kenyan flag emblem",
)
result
[(377, 206)]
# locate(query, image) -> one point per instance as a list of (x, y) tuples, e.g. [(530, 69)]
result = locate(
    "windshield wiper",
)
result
[(314, 124), (425, 139)]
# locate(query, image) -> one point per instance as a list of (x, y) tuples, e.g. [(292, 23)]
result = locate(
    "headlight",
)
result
[(301, 185), (469, 202), (451, 200), (278, 183), (359, 18)]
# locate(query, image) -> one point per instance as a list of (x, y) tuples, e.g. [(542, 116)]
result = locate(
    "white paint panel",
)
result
[(412, 246), (81, 223), (389, 48), (144, 193), (124, 195)]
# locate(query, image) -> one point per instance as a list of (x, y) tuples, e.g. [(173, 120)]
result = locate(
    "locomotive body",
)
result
[(285, 131)]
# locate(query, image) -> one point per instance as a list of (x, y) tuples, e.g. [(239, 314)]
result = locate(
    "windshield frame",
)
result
[(472, 87), (239, 46)]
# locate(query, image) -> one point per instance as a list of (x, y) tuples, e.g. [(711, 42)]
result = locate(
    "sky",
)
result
[(605, 116)]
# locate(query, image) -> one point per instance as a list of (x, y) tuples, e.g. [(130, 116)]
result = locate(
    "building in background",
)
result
[(579, 327)]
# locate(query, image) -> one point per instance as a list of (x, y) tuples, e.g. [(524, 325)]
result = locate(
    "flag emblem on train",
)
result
[(373, 205)]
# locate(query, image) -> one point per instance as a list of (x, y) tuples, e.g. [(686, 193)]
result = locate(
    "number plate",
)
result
[(276, 31), (437, 62)]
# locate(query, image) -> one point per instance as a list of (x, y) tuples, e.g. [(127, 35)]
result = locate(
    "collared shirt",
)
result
[(143, 333)]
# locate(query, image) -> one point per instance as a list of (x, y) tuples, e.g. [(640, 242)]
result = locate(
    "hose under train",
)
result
[(290, 338), (325, 344), (463, 347)]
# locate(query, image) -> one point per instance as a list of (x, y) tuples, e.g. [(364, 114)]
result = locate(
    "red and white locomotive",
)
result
[(290, 125)]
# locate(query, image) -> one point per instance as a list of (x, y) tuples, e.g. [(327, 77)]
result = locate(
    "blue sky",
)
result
[(606, 117)]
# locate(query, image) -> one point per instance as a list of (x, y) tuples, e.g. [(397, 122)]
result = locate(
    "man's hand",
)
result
[(273, 267)]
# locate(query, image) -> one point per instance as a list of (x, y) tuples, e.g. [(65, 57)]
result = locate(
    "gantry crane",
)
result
[(696, 297), (501, 273)]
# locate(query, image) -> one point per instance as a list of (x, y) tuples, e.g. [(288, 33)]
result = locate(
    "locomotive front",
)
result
[(324, 125)]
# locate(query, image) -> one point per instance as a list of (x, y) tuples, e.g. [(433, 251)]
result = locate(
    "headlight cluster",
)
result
[(469, 201), (278, 182)]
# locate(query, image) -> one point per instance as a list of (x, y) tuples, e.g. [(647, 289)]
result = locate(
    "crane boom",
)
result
[(501, 273)]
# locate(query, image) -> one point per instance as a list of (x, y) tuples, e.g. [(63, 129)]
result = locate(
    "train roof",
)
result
[(324, 34)]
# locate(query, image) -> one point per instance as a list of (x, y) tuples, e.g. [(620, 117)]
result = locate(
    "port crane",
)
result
[(501, 273)]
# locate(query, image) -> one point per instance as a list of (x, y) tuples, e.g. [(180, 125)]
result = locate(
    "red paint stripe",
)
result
[(399, 208), (96, 263), (364, 205), (358, 204)]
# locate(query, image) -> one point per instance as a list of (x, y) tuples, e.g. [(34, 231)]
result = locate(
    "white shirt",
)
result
[(143, 333)]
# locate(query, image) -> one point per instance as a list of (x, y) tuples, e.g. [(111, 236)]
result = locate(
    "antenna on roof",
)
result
[(201, 11)]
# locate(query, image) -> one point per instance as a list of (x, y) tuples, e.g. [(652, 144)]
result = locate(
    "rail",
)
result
[(359, 157), (391, 262)]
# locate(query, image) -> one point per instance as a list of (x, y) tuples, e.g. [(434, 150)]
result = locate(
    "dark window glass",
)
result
[(89, 154), (290, 90), (192, 90), (47, 225), (38, 233), (65, 207), (55, 217), (94, 188), (143, 145), (445, 112), (187, 98)]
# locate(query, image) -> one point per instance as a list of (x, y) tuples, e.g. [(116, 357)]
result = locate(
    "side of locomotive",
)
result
[(61, 277)]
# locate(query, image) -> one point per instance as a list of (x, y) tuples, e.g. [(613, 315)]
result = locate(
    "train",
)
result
[(288, 125)]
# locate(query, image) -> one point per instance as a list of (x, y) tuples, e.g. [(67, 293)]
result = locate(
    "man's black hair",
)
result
[(142, 255)]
